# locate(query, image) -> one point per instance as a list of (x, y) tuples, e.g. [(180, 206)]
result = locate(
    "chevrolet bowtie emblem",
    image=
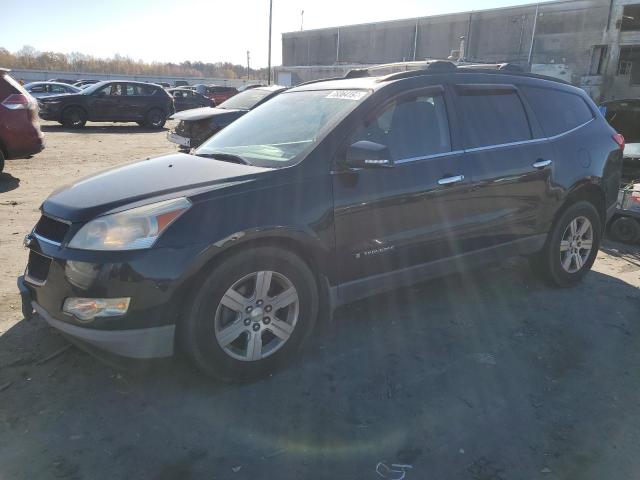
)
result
[(28, 240)]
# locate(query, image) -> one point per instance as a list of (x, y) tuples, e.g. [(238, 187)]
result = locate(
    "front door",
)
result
[(105, 103), (387, 219)]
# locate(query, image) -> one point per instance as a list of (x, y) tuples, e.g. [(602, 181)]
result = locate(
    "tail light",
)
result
[(17, 101), (619, 139)]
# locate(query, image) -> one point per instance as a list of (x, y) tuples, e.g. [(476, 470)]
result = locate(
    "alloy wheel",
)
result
[(576, 244), (256, 315)]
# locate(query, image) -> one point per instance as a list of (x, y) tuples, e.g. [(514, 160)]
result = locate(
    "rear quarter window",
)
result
[(556, 110), (493, 118)]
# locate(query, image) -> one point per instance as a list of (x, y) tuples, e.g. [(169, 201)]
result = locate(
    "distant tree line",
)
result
[(30, 58)]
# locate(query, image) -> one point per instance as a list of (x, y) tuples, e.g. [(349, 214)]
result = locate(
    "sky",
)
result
[(205, 30)]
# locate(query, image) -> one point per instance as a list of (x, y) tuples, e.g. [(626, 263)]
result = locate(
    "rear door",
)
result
[(135, 104), (388, 219), (511, 159)]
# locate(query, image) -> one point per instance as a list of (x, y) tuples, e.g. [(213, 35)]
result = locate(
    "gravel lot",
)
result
[(487, 375)]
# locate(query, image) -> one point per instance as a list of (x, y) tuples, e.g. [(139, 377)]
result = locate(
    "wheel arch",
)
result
[(299, 244), (585, 191)]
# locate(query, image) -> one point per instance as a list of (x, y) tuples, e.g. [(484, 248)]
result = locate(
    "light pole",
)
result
[(247, 64), (302, 20), (269, 64)]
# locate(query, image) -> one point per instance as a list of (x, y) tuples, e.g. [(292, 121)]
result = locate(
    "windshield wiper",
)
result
[(225, 157)]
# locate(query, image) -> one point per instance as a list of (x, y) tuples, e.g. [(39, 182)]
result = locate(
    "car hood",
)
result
[(143, 182), (59, 96), (202, 113)]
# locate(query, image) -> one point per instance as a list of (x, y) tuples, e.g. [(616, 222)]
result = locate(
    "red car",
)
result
[(20, 135)]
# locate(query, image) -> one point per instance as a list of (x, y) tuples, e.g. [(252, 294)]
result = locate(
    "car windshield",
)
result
[(246, 100), (298, 121)]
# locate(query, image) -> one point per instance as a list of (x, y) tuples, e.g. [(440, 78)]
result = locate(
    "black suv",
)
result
[(329, 192), (147, 104)]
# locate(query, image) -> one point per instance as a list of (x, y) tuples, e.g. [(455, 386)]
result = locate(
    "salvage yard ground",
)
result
[(487, 375)]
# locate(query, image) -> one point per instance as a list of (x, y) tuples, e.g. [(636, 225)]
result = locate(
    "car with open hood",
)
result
[(197, 125)]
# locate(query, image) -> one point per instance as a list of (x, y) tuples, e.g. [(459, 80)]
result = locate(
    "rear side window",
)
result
[(493, 117), (557, 111)]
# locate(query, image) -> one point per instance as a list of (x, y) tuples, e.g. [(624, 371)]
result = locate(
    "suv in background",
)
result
[(149, 105), (20, 135), (330, 192)]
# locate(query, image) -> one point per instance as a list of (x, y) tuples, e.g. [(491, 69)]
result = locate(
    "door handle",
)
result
[(540, 164), (451, 180)]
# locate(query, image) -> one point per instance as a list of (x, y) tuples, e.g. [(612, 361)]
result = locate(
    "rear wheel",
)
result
[(571, 246), (155, 119), (625, 229), (74, 117), (251, 314), (1, 161)]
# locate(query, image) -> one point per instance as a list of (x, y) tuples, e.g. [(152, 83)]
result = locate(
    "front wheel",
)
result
[(251, 314), (571, 246)]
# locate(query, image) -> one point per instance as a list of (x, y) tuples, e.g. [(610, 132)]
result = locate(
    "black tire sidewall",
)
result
[(149, 123), (196, 331), (67, 112), (622, 222), (556, 273)]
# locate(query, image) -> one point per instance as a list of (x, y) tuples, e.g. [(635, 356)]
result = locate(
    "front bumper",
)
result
[(156, 280), (143, 343), (179, 139)]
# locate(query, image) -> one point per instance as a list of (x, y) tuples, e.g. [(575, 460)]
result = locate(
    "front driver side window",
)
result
[(411, 127)]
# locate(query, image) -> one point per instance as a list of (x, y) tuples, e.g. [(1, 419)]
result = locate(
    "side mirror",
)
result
[(366, 154)]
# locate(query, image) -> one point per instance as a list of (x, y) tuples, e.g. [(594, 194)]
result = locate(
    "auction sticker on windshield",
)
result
[(347, 94)]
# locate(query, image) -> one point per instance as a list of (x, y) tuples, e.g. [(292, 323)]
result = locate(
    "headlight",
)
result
[(130, 229)]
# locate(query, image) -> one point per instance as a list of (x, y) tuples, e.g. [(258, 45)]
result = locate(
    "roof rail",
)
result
[(309, 82), (357, 73), (509, 67), (435, 66)]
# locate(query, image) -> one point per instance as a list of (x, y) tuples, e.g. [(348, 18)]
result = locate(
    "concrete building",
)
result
[(594, 44)]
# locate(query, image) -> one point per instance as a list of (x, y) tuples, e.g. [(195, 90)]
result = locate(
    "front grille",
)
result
[(38, 266), (51, 229)]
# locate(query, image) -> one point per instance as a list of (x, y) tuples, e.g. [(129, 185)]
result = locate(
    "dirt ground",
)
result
[(488, 375)]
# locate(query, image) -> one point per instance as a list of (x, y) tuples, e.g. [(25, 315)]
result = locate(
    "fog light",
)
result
[(86, 309)]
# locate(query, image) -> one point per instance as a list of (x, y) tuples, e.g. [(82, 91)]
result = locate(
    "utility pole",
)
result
[(302, 20), (247, 64), (270, 20)]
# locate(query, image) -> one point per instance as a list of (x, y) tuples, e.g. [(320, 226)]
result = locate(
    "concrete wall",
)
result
[(565, 34), (40, 75)]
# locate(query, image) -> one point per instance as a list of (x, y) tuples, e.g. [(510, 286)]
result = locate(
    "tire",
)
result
[(565, 258), (625, 229), (1, 161), (155, 118), (74, 117), (219, 339)]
